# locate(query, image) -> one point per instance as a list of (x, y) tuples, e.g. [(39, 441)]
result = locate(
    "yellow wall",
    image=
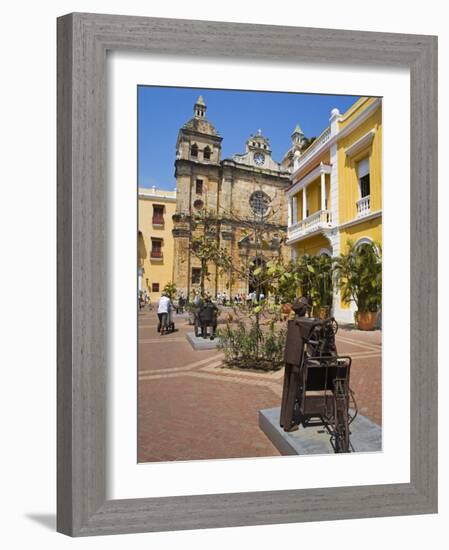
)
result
[(348, 182), (355, 110), (312, 245), (314, 197), (156, 271), (348, 185), (371, 229)]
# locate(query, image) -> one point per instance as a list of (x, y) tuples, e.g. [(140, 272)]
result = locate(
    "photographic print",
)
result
[(259, 276)]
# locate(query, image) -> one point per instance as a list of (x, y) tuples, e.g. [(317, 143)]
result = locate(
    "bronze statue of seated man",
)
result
[(208, 318)]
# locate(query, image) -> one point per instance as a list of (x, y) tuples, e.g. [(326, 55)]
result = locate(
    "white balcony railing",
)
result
[(320, 220), (320, 141), (363, 206)]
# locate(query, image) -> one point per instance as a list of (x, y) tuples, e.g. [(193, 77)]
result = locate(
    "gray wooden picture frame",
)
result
[(83, 40)]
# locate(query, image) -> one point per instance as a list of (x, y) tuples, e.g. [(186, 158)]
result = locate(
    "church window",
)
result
[(207, 153), (259, 202), (196, 275), (198, 204), (199, 187), (194, 150)]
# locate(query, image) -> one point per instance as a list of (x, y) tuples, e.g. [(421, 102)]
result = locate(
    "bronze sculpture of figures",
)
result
[(207, 317)]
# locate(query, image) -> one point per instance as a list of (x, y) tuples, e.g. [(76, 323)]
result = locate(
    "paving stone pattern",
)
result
[(192, 408)]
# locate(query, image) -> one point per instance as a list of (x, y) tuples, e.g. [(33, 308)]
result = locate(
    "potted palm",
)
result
[(358, 275)]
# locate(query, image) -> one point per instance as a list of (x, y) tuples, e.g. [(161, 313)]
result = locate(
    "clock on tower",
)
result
[(259, 158)]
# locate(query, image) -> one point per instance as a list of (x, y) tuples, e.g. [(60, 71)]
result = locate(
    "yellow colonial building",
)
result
[(335, 194), (155, 240)]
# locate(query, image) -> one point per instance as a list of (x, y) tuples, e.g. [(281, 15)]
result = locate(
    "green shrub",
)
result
[(246, 345)]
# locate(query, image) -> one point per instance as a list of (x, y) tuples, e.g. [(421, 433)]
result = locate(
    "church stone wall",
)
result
[(227, 188)]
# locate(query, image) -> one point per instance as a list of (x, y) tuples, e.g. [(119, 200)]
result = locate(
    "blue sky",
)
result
[(235, 115)]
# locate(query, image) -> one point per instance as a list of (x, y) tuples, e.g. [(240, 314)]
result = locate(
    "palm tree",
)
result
[(321, 282), (358, 275), (313, 276), (170, 290)]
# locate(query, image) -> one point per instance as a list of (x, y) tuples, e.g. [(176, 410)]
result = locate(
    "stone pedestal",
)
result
[(366, 436), (199, 343)]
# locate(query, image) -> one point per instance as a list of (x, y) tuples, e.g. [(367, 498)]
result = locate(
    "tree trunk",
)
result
[(203, 268)]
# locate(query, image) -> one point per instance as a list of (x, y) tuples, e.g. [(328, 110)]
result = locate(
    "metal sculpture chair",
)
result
[(316, 381)]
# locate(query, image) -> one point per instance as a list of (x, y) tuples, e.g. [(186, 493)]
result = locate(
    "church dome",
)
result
[(199, 122), (201, 125)]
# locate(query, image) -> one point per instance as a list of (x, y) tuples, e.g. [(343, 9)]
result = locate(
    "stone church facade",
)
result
[(232, 191)]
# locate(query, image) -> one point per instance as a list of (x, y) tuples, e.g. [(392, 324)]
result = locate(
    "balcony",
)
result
[(316, 222), (363, 206), (313, 150), (158, 221), (156, 255)]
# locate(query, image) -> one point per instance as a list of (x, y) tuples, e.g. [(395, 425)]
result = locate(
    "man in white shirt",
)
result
[(163, 309)]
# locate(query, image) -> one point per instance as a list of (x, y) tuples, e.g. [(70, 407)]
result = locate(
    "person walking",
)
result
[(163, 310), (182, 303), (140, 300)]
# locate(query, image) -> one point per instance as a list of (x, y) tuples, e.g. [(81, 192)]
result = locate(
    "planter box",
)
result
[(367, 320)]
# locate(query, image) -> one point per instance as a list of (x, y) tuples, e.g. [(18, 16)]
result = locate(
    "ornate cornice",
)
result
[(178, 232)]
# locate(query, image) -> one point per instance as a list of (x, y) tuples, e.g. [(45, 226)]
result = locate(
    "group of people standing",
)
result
[(249, 298), (166, 306), (223, 300), (180, 303), (144, 299)]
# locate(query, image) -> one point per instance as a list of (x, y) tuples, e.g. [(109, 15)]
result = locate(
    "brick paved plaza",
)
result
[(190, 407)]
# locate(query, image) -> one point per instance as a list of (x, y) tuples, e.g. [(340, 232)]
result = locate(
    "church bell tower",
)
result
[(197, 172)]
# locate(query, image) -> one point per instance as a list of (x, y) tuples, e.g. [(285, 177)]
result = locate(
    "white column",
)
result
[(289, 211), (334, 119), (304, 203), (338, 312), (323, 190), (140, 275)]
